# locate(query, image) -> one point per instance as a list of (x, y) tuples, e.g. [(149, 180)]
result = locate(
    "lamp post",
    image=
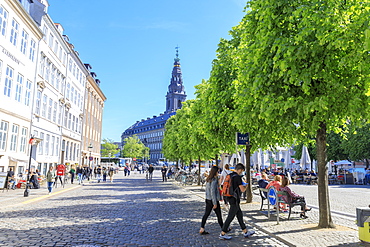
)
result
[(90, 157), (109, 158), (33, 142)]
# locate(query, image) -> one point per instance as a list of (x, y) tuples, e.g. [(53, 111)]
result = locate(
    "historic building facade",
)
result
[(151, 130), (19, 38), (43, 86), (93, 115)]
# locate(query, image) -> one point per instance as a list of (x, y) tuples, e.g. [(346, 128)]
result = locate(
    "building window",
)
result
[(56, 47), (75, 98), (8, 81), (26, 4), (47, 70), (52, 145), (66, 118), (40, 146), (3, 133), (47, 139), (27, 95), (14, 33), (55, 112), (57, 78), (38, 102), (67, 91), (69, 120), (22, 147), (19, 88), (50, 108), (57, 146), (42, 66), (70, 65), (73, 123), (45, 31), (60, 114), (52, 75), (24, 42), (51, 41), (72, 93), (3, 20), (44, 105), (14, 138), (32, 50)]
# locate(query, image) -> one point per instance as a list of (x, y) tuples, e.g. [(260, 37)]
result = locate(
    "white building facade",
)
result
[(19, 38)]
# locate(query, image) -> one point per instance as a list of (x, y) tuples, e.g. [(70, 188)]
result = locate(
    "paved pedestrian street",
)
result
[(128, 212)]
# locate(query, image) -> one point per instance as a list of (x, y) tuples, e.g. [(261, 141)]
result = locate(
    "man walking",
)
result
[(150, 170), (236, 187), (164, 171)]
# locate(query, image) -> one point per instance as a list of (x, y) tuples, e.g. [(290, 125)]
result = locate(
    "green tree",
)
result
[(108, 147), (357, 143), (134, 148), (304, 71)]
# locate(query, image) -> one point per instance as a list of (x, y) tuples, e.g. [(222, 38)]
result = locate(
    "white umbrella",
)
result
[(305, 158), (287, 158)]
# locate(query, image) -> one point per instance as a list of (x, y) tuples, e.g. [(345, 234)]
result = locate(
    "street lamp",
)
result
[(109, 157), (90, 158), (33, 142)]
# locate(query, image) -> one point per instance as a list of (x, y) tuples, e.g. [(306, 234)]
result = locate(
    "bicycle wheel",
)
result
[(189, 180)]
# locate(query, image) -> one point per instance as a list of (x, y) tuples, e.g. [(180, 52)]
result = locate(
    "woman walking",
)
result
[(50, 178), (212, 199)]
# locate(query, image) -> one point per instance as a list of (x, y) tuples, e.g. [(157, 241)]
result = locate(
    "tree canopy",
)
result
[(134, 148), (108, 147)]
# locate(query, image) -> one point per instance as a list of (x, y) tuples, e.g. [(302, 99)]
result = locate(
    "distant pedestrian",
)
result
[(111, 173), (125, 170), (151, 170), (10, 178), (80, 174), (105, 173), (50, 178), (164, 171), (98, 172), (237, 187), (72, 171), (212, 199)]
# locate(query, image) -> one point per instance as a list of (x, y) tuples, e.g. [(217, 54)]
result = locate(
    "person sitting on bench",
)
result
[(263, 182), (294, 197)]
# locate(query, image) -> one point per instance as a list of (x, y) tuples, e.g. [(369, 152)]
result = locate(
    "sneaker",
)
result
[(248, 233), (224, 237)]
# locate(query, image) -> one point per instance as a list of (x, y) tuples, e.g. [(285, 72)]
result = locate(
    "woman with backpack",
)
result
[(212, 199)]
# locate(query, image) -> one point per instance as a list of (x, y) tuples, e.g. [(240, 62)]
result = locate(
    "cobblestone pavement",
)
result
[(128, 212)]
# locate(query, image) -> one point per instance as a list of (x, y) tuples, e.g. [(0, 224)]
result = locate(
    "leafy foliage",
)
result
[(108, 147), (134, 148)]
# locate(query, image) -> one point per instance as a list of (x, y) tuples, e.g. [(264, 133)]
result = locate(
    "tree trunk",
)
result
[(198, 170), (189, 165), (248, 173), (216, 158), (325, 220)]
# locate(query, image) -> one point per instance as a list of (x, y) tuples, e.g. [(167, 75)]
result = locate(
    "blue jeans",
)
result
[(80, 177), (50, 186)]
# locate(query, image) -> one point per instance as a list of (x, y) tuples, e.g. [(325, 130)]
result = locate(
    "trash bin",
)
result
[(363, 223)]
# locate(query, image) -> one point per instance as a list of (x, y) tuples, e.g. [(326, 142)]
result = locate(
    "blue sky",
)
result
[(131, 47)]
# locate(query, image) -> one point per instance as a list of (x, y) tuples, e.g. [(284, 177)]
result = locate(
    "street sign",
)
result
[(242, 139), (90, 158), (134, 159), (272, 195)]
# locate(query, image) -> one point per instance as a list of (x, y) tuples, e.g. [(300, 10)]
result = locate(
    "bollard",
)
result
[(363, 223)]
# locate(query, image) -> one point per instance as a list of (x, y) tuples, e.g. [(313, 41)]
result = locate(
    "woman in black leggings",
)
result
[(212, 199)]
